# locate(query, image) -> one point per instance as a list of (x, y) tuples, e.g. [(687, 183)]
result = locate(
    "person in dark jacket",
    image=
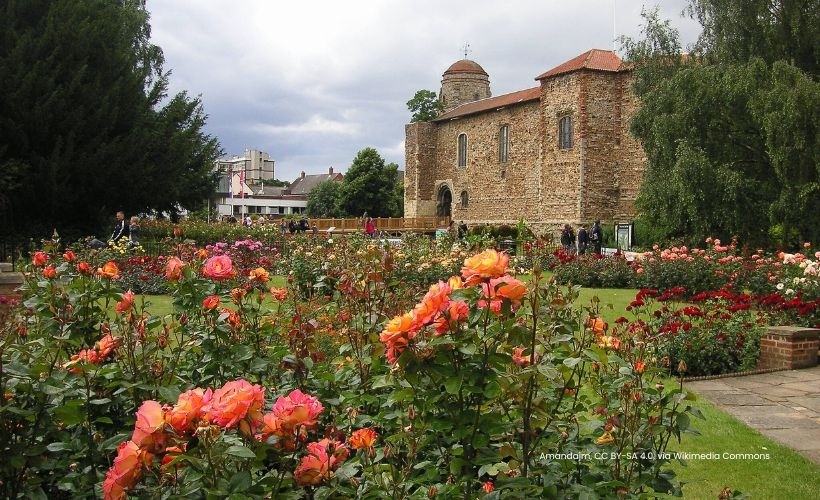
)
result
[(583, 239), (596, 236), (120, 228), (568, 239)]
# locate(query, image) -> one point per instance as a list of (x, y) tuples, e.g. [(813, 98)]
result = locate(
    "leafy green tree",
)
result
[(731, 150), (86, 127), (425, 106), (369, 186), (324, 200), (735, 31)]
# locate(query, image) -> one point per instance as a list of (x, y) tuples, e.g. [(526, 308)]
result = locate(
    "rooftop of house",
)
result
[(305, 183)]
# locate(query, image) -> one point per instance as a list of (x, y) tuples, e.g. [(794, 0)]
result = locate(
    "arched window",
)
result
[(565, 132), (462, 150), (465, 199), (503, 143)]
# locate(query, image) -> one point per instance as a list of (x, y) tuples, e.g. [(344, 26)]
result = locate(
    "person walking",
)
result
[(596, 236), (568, 239), (134, 232), (583, 239), (370, 228)]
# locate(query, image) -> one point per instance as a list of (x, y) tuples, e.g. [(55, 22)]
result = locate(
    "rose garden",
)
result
[(315, 367)]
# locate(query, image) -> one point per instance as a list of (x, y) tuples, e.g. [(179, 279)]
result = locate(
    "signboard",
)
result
[(624, 233)]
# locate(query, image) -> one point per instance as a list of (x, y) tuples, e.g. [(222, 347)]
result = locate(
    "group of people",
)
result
[(122, 230), (458, 231), (585, 238), (294, 226)]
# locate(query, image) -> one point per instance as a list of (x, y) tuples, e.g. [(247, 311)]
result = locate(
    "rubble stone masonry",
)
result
[(597, 178)]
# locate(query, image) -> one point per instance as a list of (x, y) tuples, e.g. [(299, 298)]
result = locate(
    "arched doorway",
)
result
[(444, 202)]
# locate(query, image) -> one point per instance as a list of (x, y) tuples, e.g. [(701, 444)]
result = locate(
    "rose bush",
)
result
[(376, 385)]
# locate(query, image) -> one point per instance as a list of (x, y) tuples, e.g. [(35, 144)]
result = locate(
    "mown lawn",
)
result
[(784, 475)]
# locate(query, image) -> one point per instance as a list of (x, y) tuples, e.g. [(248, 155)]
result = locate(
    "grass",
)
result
[(785, 474)]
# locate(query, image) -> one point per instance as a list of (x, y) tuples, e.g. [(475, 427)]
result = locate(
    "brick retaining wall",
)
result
[(789, 347)]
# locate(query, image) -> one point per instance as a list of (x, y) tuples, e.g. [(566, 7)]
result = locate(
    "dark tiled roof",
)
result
[(596, 59), (303, 185), (492, 103)]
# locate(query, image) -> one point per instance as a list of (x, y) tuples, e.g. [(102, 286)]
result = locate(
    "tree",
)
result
[(425, 106), (730, 149), (369, 186), (83, 128), (324, 200)]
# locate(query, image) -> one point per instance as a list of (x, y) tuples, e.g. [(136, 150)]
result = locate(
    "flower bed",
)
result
[(784, 283), (475, 385)]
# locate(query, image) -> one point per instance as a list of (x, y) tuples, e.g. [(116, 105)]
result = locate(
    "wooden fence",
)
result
[(384, 224)]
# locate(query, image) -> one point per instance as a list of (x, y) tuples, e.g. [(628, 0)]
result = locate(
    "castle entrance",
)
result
[(444, 202)]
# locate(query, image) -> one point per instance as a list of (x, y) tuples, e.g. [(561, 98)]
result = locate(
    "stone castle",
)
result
[(559, 152)]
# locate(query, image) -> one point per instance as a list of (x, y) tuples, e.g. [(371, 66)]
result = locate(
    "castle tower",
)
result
[(465, 81)]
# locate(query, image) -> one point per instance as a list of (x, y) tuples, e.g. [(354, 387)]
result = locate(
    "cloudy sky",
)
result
[(313, 82)]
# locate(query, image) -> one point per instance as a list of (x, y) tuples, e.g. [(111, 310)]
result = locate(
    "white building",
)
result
[(253, 166), (238, 196)]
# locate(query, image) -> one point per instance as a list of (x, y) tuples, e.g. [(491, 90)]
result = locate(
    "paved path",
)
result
[(784, 406)]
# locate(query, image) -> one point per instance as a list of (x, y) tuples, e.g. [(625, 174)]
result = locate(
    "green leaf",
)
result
[(240, 481), (453, 384), (240, 451), (169, 393), (571, 362), (58, 446), (70, 413)]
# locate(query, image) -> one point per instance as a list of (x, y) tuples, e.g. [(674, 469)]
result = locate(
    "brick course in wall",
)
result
[(789, 347)]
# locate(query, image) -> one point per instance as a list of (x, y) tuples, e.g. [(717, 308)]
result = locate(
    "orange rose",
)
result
[(297, 409), (455, 313), (211, 302), (455, 282), (313, 469), (640, 367), (126, 303), (184, 415), (149, 426), (106, 345), (39, 259), (325, 456), (486, 265), (597, 325), (201, 254), (236, 400), (397, 335), (259, 275), (519, 358), (109, 270), (50, 272), (363, 439), (83, 268), (237, 294), (488, 487), (279, 294), (507, 287), (173, 269), (433, 303), (126, 470), (232, 318), (219, 268), (69, 256)]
